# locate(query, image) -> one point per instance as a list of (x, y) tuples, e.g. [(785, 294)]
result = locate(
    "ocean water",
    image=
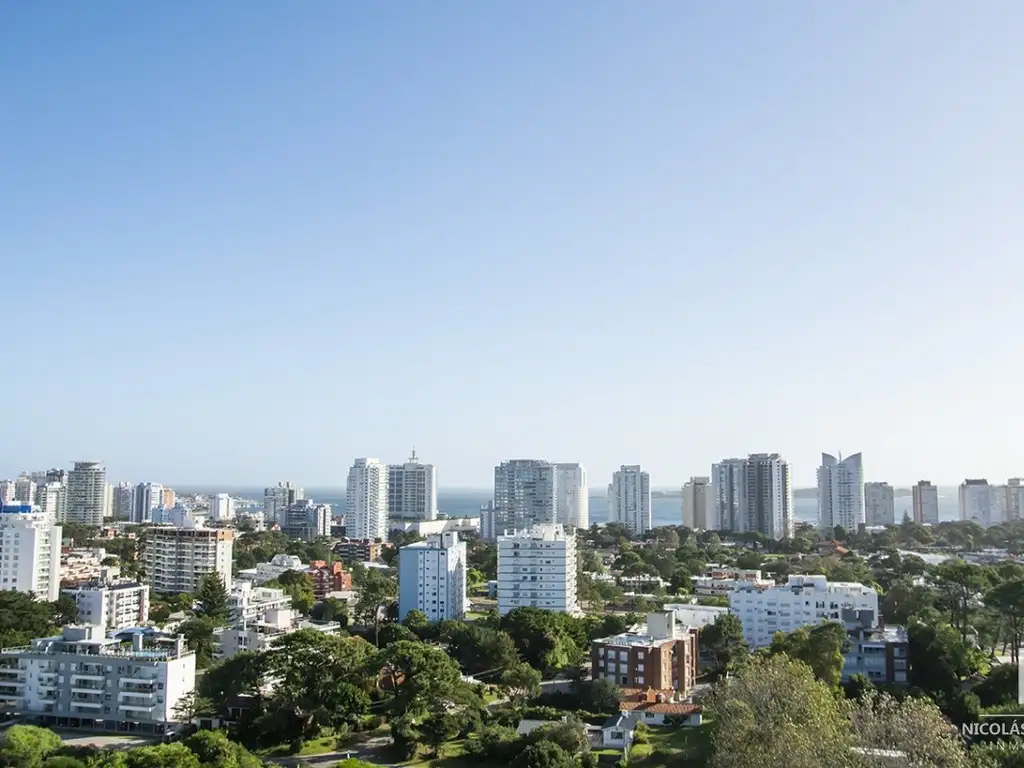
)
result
[(665, 510)]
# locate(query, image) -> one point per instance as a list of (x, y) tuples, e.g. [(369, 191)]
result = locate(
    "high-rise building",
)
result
[(1013, 503), (52, 499), (124, 501), (7, 492), (169, 498), (525, 494), (108, 501), (537, 568), (879, 504), (176, 559), (278, 498), (30, 547), (307, 520), (728, 508), (698, 503), (840, 493), (488, 522), (87, 493), (412, 490), (768, 497), (629, 499), (432, 578), (926, 503), (752, 495), (979, 502), (572, 498), (366, 500), (149, 497), (24, 489), (222, 507)]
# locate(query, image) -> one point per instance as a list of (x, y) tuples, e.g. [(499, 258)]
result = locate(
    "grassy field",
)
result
[(673, 746)]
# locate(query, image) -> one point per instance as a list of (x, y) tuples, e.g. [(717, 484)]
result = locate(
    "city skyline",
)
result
[(670, 233)]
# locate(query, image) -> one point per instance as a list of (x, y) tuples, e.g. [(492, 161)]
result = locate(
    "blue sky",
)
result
[(248, 242)]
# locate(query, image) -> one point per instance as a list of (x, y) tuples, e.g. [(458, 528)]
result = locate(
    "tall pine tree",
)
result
[(212, 599)]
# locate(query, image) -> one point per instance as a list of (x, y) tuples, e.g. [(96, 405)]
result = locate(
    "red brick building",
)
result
[(659, 656), (328, 578)]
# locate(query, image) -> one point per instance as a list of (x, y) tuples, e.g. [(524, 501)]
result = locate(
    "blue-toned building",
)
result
[(432, 577)]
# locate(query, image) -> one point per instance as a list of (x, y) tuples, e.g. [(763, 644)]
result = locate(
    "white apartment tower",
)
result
[(698, 503), (148, 498), (366, 500), (222, 507), (525, 494), (840, 492), (629, 499), (176, 559), (29, 551), (537, 569), (979, 502), (879, 504), (87, 493), (926, 503), (432, 578), (412, 490), (572, 498)]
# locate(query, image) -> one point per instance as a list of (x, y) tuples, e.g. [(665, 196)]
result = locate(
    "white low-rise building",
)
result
[(248, 602), (694, 615), (278, 566), (537, 569), (111, 604), (258, 635), (801, 602), (82, 679), (720, 581)]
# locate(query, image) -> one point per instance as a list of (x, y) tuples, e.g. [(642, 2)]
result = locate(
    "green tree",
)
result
[(960, 583), (321, 681), (820, 647), (215, 750), (520, 682), (376, 593), (26, 746), (416, 674), (242, 674), (199, 632), (723, 641), (1007, 599), (478, 649), (543, 754), (913, 726), (163, 756), (773, 713), (998, 754), (212, 599), (417, 621)]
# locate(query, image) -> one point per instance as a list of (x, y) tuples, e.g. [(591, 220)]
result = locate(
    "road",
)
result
[(103, 741)]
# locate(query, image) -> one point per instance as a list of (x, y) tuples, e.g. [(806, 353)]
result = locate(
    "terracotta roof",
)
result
[(634, 693), (665, 708)]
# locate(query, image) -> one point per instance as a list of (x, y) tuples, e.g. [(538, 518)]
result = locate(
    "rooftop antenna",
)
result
[(413, 459)]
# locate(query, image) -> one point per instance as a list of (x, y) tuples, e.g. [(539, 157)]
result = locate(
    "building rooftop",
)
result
[(89, 640)]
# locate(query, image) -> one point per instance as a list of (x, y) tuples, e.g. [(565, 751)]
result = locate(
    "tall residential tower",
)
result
[(840, 493), (366, 500)]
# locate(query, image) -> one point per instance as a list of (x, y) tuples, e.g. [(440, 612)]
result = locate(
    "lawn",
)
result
[(320, 746), (675, 746)]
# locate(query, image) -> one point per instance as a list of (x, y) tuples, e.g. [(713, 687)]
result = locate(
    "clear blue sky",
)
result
[(245, 242)]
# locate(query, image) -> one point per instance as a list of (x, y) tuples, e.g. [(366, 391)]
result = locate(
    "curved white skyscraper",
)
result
[(572, 502), (840, 492)]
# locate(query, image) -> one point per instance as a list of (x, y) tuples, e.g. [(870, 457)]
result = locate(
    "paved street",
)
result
[(103, 741)]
